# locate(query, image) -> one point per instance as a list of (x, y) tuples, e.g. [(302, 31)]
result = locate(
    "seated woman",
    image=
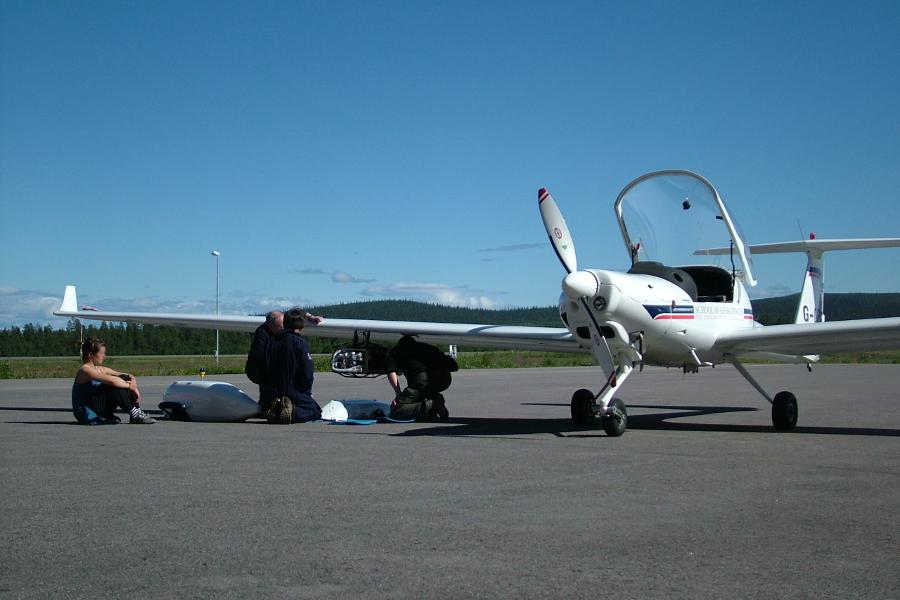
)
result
[(98, 390)]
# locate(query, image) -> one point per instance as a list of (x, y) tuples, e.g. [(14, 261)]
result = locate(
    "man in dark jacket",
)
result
[(290, 367), (427, 371), (256, 359)]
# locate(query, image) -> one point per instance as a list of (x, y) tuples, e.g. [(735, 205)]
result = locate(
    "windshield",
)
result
[(677, 218)]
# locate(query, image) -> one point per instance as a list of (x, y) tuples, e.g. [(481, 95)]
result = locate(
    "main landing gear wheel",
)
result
[(615, 421), (784, 411), (584, 407)]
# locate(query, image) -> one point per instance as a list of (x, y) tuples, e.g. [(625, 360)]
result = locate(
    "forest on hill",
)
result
[(135, 340)]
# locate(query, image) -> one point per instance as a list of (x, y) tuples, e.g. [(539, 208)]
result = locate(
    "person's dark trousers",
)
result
[(305, 409), (266, 396), (107, 398)]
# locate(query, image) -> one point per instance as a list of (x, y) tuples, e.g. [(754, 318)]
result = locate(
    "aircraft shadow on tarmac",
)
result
[(564, 427), (662, 421)]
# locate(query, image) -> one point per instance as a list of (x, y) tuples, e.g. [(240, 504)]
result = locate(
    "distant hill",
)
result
[(409, 310), (769, 311), (838, 307)]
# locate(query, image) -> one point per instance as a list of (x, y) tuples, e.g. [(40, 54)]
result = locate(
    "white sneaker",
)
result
[(142, 418)]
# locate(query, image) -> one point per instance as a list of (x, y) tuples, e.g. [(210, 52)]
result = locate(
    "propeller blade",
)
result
[(578, 285), (558, 231)]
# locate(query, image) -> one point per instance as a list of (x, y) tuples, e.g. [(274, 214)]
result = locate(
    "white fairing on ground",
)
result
[(210, 401), (342, 410)]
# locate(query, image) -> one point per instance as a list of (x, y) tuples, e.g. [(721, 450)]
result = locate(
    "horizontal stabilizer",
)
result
[(810, 245)]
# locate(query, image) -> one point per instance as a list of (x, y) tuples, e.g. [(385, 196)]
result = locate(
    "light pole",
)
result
[(216, 254)]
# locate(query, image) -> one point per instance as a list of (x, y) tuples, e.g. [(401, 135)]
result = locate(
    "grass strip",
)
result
[(189, 365)]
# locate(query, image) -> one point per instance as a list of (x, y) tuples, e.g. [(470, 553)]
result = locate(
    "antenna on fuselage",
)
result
[(733, 268)]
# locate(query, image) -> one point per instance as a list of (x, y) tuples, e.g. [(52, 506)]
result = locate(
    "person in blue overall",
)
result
[(290, 369), (98, 390)]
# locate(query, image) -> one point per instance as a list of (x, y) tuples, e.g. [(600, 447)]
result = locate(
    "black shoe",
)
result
[(425, 411), (437, 410), (440, 410)]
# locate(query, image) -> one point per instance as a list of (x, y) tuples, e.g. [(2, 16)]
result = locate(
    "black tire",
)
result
[(784, 411), (615, 421), (584, 408)]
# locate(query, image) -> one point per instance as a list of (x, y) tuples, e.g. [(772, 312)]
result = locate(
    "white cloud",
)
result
[(341, 277), (244, 305), (18, 307), (439, 293), (771, 291)]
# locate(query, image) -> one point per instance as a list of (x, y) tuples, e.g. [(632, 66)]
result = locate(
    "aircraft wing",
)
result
[(507, 337), (814, 338)]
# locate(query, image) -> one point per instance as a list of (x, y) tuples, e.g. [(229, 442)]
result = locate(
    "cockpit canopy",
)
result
[(677, 218)]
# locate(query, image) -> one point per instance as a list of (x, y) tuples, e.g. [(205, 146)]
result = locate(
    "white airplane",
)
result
[(683, 303)]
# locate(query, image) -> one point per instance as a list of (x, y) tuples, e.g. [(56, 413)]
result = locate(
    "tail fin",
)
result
[(811, 308)]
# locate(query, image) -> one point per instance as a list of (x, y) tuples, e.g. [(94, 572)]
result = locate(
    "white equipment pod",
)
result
[(210, 401), (343, 410)]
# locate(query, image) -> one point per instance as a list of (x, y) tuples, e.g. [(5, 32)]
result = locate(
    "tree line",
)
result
[(130, 340)]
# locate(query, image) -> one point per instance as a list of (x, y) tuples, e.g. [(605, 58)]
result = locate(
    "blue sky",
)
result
[(342, 151)]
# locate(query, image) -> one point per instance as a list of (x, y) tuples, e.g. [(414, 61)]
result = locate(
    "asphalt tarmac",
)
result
[(699, 499)]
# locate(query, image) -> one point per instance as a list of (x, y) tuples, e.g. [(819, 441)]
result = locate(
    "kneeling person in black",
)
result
[(290, 368), (427, 371)]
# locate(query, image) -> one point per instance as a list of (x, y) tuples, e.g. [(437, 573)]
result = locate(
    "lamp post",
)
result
[(216, 254)]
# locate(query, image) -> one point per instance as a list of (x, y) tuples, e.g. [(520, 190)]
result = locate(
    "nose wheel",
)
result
[(615, 420), (584, 407), (586, 411)]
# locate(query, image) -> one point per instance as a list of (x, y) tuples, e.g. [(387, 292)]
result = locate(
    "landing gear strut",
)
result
[(784, 404)]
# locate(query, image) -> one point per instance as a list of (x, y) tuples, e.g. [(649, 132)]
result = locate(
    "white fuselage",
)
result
[(677, 330)]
